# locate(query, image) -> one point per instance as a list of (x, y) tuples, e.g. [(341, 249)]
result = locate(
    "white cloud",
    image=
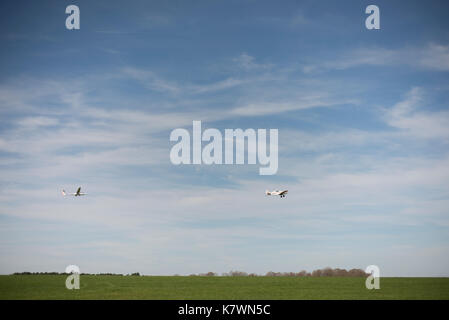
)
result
[(34, 122), (247, 62), (409, 115), (433, 57), (151, 81), (217, 86), (304, 102)]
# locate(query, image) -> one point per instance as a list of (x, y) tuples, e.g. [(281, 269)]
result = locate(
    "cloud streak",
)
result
[(433, 57)]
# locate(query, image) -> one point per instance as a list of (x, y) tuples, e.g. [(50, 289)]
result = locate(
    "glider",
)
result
[(77, 194)]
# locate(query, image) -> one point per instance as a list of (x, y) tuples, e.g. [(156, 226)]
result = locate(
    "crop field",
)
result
[(215, 288)]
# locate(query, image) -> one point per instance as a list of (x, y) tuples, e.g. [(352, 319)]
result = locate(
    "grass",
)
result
[(215, 288)]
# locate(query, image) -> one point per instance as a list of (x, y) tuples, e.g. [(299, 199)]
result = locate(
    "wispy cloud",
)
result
[(247, 62), (150, 80), (409, 115), (433, 57), (300, 103)]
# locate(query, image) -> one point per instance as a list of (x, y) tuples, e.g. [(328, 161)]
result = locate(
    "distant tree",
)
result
[(327, 272), (316, 273), (340, 272), (357, 273), (238, 274), (302, 273)]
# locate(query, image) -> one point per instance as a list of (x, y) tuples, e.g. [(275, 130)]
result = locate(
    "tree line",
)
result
[(326, 272), (26, 273)]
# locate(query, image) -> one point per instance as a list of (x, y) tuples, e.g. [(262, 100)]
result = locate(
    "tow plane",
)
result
[(281, 193)]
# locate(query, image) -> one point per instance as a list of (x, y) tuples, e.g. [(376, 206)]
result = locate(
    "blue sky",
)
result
[(363, 124)]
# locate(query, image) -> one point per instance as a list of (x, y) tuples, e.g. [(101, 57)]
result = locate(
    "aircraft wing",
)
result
[(283, 192)]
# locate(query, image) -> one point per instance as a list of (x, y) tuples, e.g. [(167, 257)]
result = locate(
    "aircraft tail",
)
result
[(268, 193), (63, 192)]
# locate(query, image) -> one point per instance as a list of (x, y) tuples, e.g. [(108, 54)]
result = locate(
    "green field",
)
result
[(210, 288)]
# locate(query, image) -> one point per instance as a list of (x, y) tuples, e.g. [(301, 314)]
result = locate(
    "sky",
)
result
[(362, 116)]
